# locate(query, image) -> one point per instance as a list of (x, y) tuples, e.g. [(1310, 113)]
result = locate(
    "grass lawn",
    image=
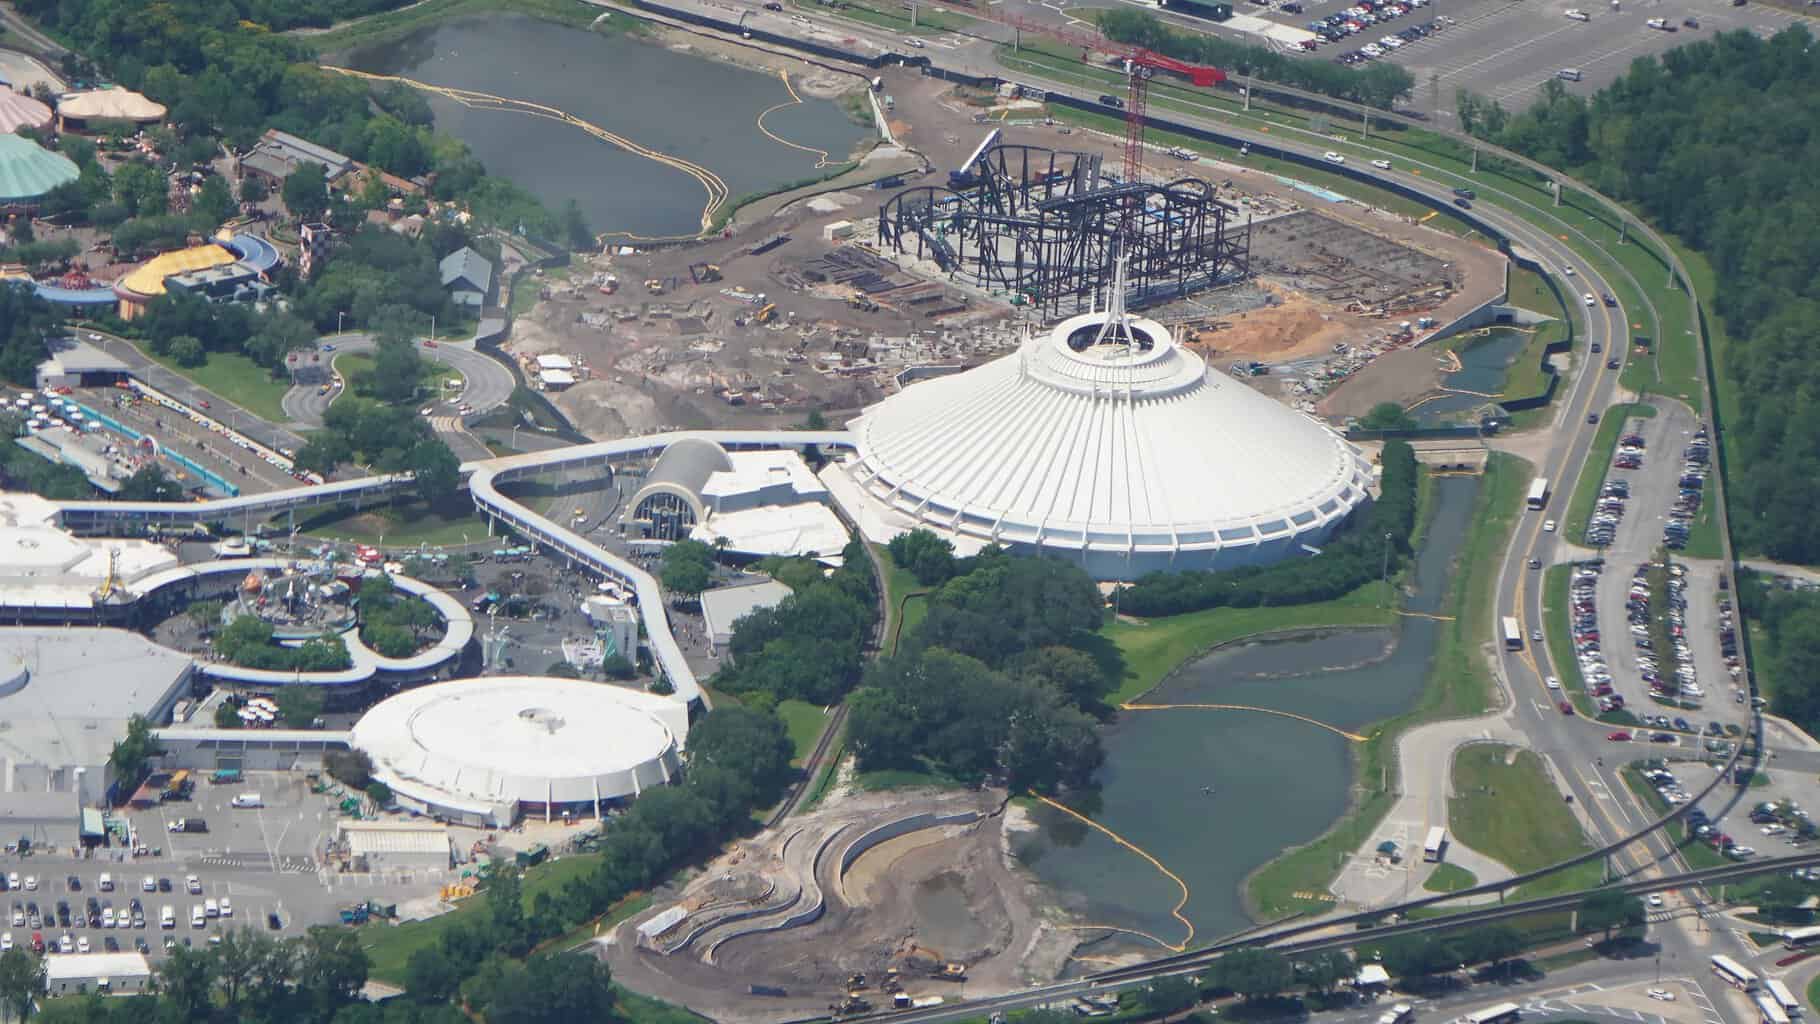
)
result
[(900, 778), (1457, 685), (525, 290), (805, 721), (1450, 878), (1555, 583), (389, 947), (408, 524), (1154, 647), (429, 378), (644, 1010), (237, 379), (1506, 808), (899, 586), (1598, 461)]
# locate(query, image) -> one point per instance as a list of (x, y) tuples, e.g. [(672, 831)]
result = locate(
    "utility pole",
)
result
[(1475, 159), (1385, 570), (1434, 93), (1365, 118), (1247, 91)]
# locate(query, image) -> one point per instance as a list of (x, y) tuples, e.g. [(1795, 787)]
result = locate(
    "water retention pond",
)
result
[(704, 111), (1214, 794)]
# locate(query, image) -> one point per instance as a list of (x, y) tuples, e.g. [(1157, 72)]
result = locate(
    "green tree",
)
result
[(299, 705), (253, 189), (1388, 416), (1323, 972), (1168, 996), (435, 470), (506, 908), (351, 767), (754, 746), (688, 566), (22, 982), (1607, 910), (924, 555), (554, 990), (331, 969), (206, 614), (150, 483), (431, 977), (379, 793), (185, 979), (306, 192), (186, 351), (226, 717), (214, 201), (1254, 973), (575, 228), (132, 753)]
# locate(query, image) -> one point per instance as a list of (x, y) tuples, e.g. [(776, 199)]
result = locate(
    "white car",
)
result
[(1655, 899), (6, 941), (1382, 165), (227, 909), (1548, 526), (918, 43), (148, 884), (426, 410), (193, 884), (1662, 994), (1577, 14), (1568, 270), (81, 943), (1553, 682), (1333, 158), (31, 883), (1589, 299)]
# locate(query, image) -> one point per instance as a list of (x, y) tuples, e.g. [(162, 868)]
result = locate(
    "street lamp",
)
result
[(338, 318)]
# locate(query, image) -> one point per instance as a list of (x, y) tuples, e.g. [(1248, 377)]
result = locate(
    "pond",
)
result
[(702, 111)]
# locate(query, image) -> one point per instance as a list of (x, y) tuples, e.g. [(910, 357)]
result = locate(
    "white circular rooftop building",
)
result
[(1104, 442), (485, 751)]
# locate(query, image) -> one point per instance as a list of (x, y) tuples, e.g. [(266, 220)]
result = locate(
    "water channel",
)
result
[(1485, 363), (1214, 794), (701, 110)]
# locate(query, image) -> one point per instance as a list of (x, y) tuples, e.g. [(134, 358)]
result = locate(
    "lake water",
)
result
[(1485, 363), (1215, 794), (701, 110)]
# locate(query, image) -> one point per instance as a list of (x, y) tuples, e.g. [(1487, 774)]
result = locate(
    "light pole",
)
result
[(1385, 570), (339, 315)]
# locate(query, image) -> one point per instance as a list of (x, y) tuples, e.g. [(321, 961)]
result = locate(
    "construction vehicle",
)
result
[(950, 971), (856, 982), (704, 273), (854, 1003), (654, 286), (765, 314), (863, 304), (356, 914)]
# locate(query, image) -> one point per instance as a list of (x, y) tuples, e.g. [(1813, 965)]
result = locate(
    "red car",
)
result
[(1618, 737), (1566, 708)]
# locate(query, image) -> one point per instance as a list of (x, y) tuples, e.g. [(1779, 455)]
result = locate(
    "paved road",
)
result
[(182, 389), (488, 385)]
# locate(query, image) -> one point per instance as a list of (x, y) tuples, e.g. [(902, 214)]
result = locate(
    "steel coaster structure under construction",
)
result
[(1047, 227)]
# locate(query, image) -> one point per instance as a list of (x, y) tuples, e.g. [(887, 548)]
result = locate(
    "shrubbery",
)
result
[(1346, 563)]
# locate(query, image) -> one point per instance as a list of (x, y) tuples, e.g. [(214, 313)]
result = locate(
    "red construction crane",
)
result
[(1139, 64)]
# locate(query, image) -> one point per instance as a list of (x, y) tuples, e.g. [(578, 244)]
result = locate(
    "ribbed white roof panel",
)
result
[(1129, 449)]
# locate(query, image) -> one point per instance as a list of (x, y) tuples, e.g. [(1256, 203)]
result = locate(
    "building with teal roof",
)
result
[(28, 171)]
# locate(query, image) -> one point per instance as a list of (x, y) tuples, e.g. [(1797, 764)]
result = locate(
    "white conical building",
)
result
[(1104, 442)]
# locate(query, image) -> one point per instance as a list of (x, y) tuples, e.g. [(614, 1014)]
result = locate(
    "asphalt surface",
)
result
[(221, 407), (487, 386)]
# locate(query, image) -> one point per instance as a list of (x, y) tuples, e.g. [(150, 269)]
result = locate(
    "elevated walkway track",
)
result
[(1353, 736), (483, 479)]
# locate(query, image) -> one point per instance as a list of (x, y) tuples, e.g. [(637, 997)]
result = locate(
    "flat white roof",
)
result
[(551, 361), (80, 966), (556, 376), (364, 837), (753, 470), (723, 606), (810, 528), (81, 685), (524, 737)]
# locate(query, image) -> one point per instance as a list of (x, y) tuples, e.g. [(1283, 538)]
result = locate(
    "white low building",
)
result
[(381, 846), (74, 974), (724, 606), (485, 751)]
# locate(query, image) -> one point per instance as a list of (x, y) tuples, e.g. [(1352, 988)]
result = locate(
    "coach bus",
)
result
[(1768, 1010), (1801, 938), (1733, 973), (1435, 845), (1538, 493), (1513, 634), (1782, 996), (1503, 1013)]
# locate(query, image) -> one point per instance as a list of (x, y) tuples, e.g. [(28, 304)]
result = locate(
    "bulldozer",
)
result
[(853, 1003), (950, 971), (766, 313), (863, 304), (704, 273)]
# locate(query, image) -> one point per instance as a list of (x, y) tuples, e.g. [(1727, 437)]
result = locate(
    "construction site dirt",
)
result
[(872, 898), (801, 313)]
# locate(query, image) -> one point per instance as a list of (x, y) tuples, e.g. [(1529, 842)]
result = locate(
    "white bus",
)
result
[(1435, 845), (1801, 938), (1768, 1012), (1538, 493), (1782, 996), (1733, 973), (1513, 634), (1503, 1013)]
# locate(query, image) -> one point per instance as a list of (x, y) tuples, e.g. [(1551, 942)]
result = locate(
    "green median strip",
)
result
[(1598, 461)]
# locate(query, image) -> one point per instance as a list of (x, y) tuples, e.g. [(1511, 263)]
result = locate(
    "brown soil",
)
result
[(1297, 326)]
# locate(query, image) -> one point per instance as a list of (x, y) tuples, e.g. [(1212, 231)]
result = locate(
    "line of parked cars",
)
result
[(1693, 485), (1603, 526), (1365, 15), (1583, 591)]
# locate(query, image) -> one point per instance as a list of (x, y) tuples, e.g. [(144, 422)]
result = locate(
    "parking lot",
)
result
[(253, 863), (1506, 49)]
